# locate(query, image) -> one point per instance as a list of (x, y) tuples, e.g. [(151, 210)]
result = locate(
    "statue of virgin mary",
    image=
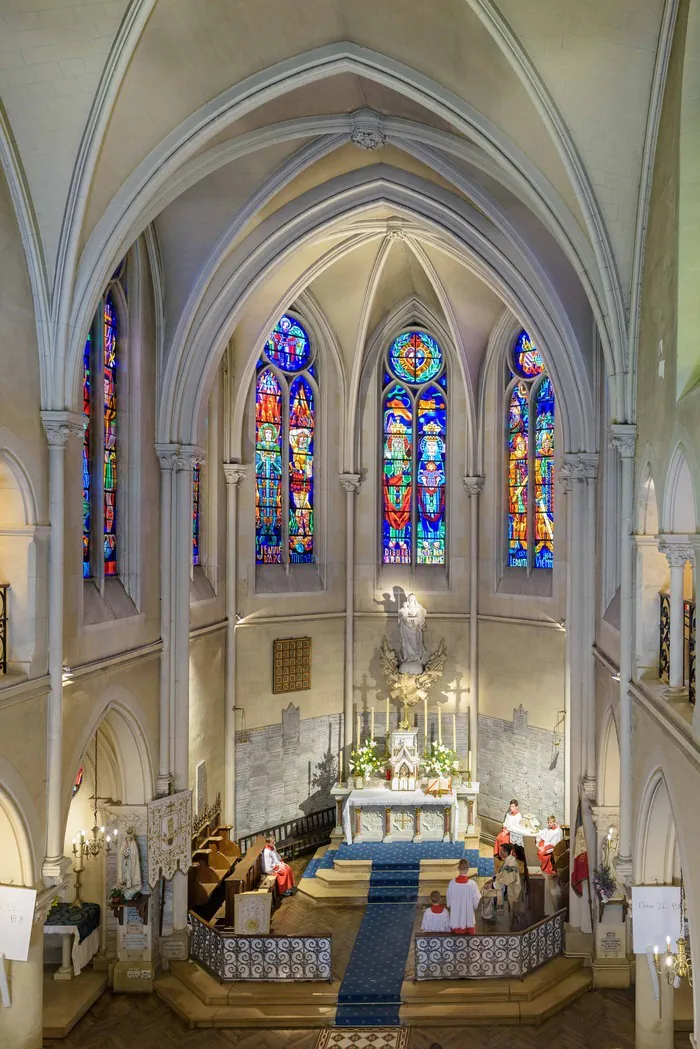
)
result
[(129, 866), (412, 618)]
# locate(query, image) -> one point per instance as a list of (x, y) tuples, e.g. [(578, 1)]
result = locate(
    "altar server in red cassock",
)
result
[(511, 822), (436, 917), (272, 863), (463, 898), (546, 840)]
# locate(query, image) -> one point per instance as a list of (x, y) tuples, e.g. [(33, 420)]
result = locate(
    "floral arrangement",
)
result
[(604, 881), (117, 897), (365, 761), (439, 760)]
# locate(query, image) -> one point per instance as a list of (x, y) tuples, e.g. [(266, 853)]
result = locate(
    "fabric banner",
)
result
[(169, 836), (579, 866)]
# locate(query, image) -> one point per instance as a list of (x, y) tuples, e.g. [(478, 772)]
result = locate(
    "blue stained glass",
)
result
[(397, 484), (87, 454), (196, 497), (415, 358), (544, 482), (430, 489), (527, 359), (301, 471), (288, 346), (110, 438), (518, 437), (268, 469)]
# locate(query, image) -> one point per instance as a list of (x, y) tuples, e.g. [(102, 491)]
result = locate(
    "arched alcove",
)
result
[(657, 856), (652, 576), (16, 859), (679, 496), (609, 762)]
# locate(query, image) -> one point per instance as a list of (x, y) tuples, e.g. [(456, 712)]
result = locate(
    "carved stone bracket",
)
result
[(677, 553), (623, 436), (44, 903), (367, 132), (350, 482), (474, 485), (60, 426), (235, 472), (580, 466), (179, 456)]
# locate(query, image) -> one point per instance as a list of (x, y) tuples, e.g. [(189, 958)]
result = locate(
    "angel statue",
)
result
[(412, 618)]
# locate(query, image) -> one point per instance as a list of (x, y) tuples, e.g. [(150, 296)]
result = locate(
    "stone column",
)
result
[(166, 454), (351, 484), (21, 1026), (653, 1017), (59, 427), (622, 437), (677, 550), (582, 468), (474, 486), (234, 473), (572, 487)]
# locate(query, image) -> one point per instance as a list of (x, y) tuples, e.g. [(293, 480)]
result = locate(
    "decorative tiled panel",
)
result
[(261, 957)]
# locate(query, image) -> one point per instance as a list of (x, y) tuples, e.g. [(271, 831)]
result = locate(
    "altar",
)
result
[(382, 814)]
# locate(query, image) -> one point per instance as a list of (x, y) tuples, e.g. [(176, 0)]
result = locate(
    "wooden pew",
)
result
[(247, 876)]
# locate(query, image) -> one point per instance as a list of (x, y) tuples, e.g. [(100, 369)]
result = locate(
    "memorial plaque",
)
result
[(611, 941), (291, 664)]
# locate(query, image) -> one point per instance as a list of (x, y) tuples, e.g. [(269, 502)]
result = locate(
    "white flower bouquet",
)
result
[(365, 761), (440, 761)]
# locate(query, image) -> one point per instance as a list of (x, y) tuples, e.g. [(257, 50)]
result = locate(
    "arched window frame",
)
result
[(415, 392), (285, 381), (532, 386)]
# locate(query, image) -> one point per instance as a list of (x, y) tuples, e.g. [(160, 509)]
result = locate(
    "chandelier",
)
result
[(99, 840), (676, 965)]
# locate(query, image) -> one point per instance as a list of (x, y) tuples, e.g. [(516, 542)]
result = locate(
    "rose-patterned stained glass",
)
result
[(518, 442), (530, 459), (301, 471), (110, 438), (196, 508), (397, 484), (415, 358), (544, 481), (288, 346), (414, 414), (431, 416), (268, 469), (87, 453)]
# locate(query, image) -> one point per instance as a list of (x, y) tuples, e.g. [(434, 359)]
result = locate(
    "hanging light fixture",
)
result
[(99, 840), (675, 965)]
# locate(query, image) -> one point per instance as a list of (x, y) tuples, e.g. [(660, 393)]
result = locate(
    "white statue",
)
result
[(411, 622), (129, 866)]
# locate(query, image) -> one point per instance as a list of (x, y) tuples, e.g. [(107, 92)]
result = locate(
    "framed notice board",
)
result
[(291, 664)]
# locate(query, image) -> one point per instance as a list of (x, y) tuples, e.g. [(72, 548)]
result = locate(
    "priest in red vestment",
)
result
[(546, 840), (512, 822), (272, 863)]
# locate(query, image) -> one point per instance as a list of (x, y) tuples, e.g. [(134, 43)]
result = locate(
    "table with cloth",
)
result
[(80, 927), (382, 814)]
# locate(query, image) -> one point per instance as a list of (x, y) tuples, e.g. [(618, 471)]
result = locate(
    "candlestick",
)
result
[(340, 768), (425, 719), (387, 723), (439, 724), (371, 723), (358, 729), (454, 733)]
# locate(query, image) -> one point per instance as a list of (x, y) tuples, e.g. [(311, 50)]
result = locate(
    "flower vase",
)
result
[(359, 783)]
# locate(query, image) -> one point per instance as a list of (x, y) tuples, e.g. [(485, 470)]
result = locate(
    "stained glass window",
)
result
[(286, 397), (196, 490), (78, 782), (530, 505), (110, 438), (87, 453), (414, 416)]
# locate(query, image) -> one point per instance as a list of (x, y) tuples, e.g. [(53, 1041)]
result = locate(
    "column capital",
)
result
[(189, 455), (60, 426), (44, 903), (350, 482), (623, 437), (474, 485), (677, 549), (166, 455), (579, 466), (235, 472)]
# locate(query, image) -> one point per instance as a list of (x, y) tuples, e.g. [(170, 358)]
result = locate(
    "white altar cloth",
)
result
[(382, 798), (81, 953)]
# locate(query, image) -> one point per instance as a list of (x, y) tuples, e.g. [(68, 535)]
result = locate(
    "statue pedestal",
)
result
[(339, 793), (467, 798)]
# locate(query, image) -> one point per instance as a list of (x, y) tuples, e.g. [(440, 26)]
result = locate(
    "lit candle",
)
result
[(425, 719), (439, 724), (454, 733), (371, 724)]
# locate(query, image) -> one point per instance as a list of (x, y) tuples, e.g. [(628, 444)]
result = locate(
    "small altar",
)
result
[(382, 814)]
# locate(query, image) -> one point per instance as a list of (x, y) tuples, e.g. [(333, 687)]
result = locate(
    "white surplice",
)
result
[(433, 922), (271, 859), (550, 836), (462, 900)]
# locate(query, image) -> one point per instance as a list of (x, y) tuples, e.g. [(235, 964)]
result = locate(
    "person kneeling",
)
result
[(463, 898), (436, 917), (272, 863)]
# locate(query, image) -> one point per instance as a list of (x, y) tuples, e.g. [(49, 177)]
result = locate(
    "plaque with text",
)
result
[(291, 664)]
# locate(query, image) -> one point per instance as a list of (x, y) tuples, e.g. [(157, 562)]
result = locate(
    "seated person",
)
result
[(511, 825), (463, 898), (272, 863), (546, 840), (436, 917)]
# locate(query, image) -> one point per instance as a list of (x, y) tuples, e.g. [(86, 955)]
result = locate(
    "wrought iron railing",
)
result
[(689, 642), (4, 587), (492, 956), (296, 836), (664, 635), (263, 958)]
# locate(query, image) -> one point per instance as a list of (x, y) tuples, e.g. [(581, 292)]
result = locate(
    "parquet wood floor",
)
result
[(599, 1020)]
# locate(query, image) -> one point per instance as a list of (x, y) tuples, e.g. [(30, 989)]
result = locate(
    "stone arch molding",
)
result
[(134, 204), (609, 761), (657, 839), (18, 807), (679, 500), (191, 366)]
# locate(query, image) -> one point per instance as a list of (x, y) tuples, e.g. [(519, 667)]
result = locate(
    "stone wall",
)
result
[(514, 760), (286, 770)]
